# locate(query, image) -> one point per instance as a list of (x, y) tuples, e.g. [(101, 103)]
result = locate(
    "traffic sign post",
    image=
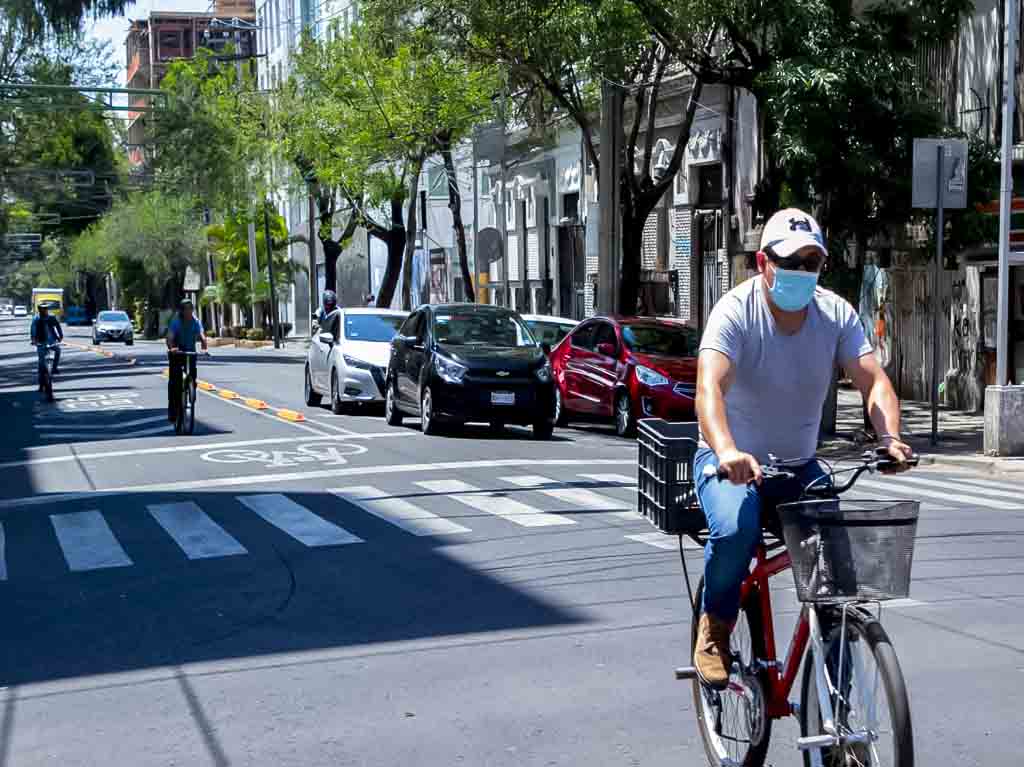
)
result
[(940, 182)]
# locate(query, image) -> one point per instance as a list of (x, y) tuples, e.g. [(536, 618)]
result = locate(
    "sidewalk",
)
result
[(961, 436)]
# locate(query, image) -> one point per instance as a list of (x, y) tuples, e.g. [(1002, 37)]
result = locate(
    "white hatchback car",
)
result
[(549, 330), (352, 367)]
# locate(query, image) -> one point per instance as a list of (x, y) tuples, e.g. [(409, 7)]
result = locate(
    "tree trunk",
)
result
[(332, 251), (394, 238), (455, 205), (632, 247), (410, 231)]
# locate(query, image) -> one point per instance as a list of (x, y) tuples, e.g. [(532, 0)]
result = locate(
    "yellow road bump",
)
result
[(204, 385), (227, 394), (256, 403), (290, 415)]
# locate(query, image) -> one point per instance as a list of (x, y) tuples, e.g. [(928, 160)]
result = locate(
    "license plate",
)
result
[(503, 398)]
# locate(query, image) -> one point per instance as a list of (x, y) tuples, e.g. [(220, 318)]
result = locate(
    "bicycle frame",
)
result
[(780, 679)]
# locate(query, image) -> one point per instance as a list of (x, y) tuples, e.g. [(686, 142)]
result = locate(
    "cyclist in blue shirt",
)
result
[(182, 334), (46, 331)]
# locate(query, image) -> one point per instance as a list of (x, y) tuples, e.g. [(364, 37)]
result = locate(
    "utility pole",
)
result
[(270, 274), (313, 282), (1006, 194), (610, 240)]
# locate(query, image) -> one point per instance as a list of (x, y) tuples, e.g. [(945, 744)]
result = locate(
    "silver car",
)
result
[(352, 367), (113, 326), (549, 330)]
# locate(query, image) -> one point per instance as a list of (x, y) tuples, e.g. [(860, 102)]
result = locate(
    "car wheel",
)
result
[(561, 417), (625, 422), (95, 341), (428, 420), (312, 398), (130, 342), (337, 406), (543, 430), (392, 415)]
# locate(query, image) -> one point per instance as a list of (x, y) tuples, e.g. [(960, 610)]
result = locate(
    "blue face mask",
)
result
[(792, 290)]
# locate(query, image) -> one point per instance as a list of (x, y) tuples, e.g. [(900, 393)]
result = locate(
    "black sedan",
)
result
[(467, 362)]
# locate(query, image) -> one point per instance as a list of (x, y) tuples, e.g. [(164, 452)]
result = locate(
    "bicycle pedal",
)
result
[(816, 741), (684, 673)]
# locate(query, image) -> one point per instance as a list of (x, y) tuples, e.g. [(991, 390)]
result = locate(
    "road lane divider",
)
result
[(258, 404), (205, 385), (253, 402), (289, 415), (228, 394)]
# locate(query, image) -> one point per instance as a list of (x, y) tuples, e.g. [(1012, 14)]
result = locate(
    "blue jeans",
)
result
[(734, 514)]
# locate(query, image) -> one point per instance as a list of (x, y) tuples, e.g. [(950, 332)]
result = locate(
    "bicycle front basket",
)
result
[(847, 550)]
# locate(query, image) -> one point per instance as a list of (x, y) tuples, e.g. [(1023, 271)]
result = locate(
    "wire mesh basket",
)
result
[(665, 488), (850, 550)]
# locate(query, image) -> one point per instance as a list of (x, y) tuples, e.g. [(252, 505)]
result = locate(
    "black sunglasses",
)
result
[(811, 263)]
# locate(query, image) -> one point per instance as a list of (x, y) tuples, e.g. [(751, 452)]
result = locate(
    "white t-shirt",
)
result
[(774, 404)]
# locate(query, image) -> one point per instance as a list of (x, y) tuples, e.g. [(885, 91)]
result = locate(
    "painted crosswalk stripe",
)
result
[(3, 554), (663, 541), (398, 511), (988, 484), (972, 487), (298, 521), (620, 479), (914, 493), (576, 496), (197, 535), (491, 503), (87, 541)]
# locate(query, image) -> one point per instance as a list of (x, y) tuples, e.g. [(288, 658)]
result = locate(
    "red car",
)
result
[(625, 368)]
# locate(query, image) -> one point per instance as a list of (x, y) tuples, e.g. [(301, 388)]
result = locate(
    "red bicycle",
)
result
[(847, 558)]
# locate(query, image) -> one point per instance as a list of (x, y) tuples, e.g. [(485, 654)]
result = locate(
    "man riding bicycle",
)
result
[(765, 367), (183, 332), (45, 333)]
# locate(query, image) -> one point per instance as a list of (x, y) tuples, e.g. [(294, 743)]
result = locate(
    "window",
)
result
[(371, 327), (531, 207), (437, 182), (605, 334), (678, 341), (584, 337), (571, 205), (709, 185), (479, 326), (413, 327), (277, 23)]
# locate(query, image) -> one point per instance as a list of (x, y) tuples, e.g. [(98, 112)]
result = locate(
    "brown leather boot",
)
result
[(711, 655)]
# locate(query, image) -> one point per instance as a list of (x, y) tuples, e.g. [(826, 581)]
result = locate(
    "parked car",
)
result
[(625, 368), (113, 326), (6, 310), (352, 366), (469, 362), (76, 315), (549, 330), (20, 311)]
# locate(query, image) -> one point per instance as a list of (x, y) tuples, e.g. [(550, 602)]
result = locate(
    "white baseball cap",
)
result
[(791, 229)]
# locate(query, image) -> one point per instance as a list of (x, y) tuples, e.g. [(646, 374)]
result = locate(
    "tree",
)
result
[(41, 17)]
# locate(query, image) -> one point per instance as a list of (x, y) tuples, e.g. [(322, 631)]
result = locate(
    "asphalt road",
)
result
[(341, 592)]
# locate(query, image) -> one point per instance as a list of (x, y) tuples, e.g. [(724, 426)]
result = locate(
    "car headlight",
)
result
[(353, 362), (544, 373), (449, 370), (649, 377)]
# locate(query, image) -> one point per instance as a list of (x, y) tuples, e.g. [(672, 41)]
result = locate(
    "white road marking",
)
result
[(184, 448), (339, 429), (298, 476), (398, 511), (1016, 494), (893, 488), (111, 433), (576, 496), (984, 483), (492, 503), (99, 426), (298, 521), (197, 535), (617, 478), (87, 541), (3, 554), (663, 541)]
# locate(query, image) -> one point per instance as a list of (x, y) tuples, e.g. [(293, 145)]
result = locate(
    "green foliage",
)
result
[(42, 17)]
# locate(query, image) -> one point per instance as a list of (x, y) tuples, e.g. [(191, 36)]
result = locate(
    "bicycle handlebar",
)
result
[(872, 461)]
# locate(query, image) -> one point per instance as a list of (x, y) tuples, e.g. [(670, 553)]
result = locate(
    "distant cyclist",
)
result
[(46, 332), (183, 332)]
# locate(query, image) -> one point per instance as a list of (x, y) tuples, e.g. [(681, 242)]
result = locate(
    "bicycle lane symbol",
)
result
[(320, 454)]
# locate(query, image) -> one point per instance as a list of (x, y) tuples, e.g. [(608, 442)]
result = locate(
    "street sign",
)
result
[(954, 173), (191, 282)]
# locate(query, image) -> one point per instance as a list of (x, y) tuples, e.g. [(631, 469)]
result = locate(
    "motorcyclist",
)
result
[(330, 315)]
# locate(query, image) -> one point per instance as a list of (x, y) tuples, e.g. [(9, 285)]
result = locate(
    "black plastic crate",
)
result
[(666, 494)]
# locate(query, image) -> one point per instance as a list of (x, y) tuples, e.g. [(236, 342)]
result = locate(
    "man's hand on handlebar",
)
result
[(739, 468), (899, 453)]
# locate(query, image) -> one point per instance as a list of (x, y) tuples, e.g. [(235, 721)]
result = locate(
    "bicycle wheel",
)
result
[(871, 697), (179, 422), (190, 396), (734, 723)]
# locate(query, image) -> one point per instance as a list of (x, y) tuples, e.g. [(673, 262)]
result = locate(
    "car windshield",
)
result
[(661, 339), (473, 327), (372, 327), (113, 317), (548, 332)]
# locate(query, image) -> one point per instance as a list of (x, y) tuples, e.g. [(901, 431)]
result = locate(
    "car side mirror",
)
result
[(607, 349), (407, 341), (326, 338), (546, 348)]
